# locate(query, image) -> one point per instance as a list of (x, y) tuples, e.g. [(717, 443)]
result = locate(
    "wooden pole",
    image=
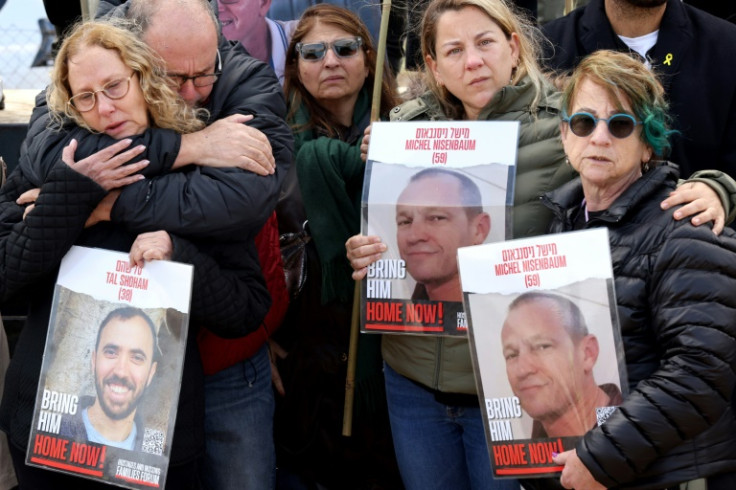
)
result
[(89, 8), (380, 61), (347, 418)]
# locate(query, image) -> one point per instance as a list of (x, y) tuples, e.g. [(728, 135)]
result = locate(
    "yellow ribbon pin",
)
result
[(668, 59)]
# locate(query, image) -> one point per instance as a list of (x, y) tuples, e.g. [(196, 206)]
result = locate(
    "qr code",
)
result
[(153, 441), (602, 414)]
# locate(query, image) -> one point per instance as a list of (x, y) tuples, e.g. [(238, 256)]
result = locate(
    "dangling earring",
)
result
[(645, 167), (567, 162)]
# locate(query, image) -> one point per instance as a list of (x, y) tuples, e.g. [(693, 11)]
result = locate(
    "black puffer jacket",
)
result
[(675, 288), (30, 252), (220, 210)]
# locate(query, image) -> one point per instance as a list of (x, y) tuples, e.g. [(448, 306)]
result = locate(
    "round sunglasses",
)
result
[(584, 123), (343, 48)]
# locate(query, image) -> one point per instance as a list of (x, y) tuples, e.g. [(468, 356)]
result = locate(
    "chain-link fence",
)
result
[(19, 48)]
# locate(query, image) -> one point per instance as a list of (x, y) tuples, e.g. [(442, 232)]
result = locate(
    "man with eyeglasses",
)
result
[(263, 38), (212, 74), (192, 60), (219, 207), (221, 78), (687, 47)]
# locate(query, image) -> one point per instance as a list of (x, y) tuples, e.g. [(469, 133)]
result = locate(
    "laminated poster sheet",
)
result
[(545, 343), (112, 367), (432, 187)]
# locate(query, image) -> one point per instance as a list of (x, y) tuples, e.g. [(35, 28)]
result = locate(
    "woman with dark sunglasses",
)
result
[(674, 287), (328, 81), (481, 64)]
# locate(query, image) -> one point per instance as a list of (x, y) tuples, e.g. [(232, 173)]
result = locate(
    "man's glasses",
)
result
[(343, 48), (229, 2), (619, 125), (199, 80), (114, 89)]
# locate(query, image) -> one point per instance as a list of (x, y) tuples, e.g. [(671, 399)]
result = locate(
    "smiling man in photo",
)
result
[(123, 363)]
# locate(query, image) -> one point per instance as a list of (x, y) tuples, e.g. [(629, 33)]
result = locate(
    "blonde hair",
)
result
[(509, 21), (166, 109)]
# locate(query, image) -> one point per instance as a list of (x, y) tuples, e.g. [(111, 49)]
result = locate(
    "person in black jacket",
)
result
[(227, 203), (687, 47), (219, 210), (211, 200), (674, 290)]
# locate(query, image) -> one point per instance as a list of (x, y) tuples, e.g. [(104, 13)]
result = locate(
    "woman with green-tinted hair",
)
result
[(674, 289), (644, 92)]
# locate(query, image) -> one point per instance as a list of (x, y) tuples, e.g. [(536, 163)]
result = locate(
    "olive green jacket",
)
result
[(443, 363)]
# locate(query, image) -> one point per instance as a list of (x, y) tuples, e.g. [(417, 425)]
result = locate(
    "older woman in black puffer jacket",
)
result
[(674, 283)]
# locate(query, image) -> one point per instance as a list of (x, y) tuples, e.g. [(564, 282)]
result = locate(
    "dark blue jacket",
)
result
[(694, 55)]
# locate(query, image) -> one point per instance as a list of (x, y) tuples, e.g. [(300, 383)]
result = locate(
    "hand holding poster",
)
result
[(111, 373), (545, 344), (430, 188)]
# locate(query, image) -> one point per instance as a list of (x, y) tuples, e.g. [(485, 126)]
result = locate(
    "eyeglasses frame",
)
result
[(328, 46), (607, 120), (185, 78), (94, 93)]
